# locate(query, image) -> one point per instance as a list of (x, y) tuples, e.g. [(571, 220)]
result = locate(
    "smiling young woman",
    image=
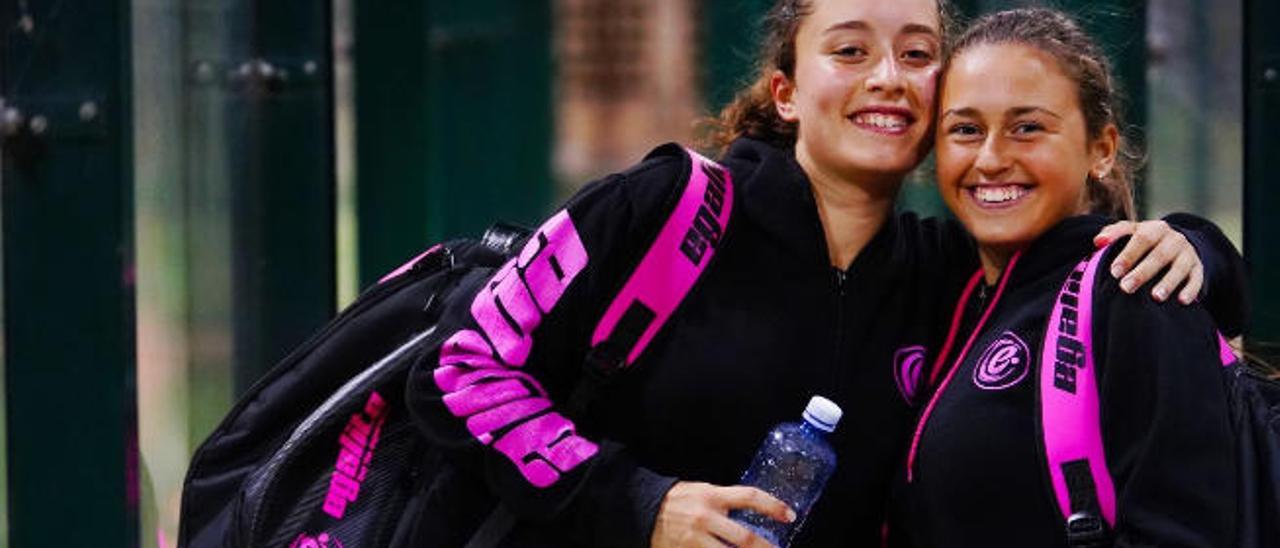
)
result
[(1015, 151), (1028, 151)]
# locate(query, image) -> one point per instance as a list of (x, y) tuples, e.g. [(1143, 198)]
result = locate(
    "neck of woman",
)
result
[(994, 259), (851, 210)]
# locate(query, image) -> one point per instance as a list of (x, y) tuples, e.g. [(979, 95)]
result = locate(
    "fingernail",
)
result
[(1101, 241), (1117, 269), (791, 515), (1127, 285), (1161, 294)]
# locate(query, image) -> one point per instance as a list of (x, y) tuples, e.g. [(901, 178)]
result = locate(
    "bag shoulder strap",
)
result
[(1069, 412), (1070, 420), (673, 263), (664, 276)]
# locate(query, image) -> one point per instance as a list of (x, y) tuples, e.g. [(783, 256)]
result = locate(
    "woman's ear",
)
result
[(783, 92), (1103, 151)]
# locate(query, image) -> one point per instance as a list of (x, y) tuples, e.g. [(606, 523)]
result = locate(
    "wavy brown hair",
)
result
[(1098, 93), (752, 112)]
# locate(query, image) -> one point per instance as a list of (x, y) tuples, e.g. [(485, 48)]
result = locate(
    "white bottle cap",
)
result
[(822, 413)]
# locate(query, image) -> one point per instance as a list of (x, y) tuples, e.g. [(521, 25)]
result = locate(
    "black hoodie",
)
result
[(769, 324), (979, 477)]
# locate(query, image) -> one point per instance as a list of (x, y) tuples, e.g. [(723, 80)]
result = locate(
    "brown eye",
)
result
[(918, 56), (1027, 128), (850, 52), (964, 130)]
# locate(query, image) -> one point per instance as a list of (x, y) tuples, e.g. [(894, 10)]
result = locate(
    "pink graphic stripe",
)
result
[(955, 366), (409, 265), (1070, 422), (666, 273)]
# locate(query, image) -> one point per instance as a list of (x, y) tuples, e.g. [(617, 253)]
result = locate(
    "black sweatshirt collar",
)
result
[(777, 196)]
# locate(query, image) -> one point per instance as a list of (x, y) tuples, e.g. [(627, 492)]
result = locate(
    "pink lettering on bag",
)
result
[(505, 297), (496, 400), (483, 424), (467, 347), (452, 378), (548, 270), (323, 540), (541, 462), (355, 451), (480, 397)]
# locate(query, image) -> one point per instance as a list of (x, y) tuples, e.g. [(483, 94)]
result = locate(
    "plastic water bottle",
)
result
[(793, 464)]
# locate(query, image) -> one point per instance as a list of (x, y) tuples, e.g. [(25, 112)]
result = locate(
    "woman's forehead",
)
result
[(990, 75), (879, 16)]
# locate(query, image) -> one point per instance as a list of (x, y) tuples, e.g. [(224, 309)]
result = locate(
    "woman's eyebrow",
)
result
[(909, 28), (848, 25), (1019, 111), (969, 112), (916, 28)]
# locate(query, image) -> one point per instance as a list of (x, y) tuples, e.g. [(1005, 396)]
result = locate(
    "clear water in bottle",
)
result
[(793, 464)]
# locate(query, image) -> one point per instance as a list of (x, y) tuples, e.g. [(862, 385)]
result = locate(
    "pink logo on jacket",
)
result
[(908, 365), (1003, 364)]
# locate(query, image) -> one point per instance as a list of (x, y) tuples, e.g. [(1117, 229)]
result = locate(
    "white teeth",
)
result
[(998, 194), (881, 120)]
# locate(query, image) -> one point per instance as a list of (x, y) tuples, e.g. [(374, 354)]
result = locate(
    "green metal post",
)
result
[(283, 185), (69, 282), (1261, 194), (731, 37), (391, 133), (453, 113)]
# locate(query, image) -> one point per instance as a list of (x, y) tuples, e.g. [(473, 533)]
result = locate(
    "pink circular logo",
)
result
[(1002, 364)]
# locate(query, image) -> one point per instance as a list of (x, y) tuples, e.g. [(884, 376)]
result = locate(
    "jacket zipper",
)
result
[(955, 365)]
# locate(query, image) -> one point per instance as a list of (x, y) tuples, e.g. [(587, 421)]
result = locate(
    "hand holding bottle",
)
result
[(697, 514), (793, 464)]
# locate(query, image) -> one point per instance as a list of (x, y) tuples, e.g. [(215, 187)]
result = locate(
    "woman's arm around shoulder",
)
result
[(1165, 420)]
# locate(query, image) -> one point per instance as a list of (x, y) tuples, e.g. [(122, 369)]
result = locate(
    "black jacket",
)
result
[(979, 477), (769, 324)]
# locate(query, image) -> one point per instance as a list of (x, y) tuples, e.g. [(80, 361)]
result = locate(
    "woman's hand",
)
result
[(697, 514), (1153, 247)]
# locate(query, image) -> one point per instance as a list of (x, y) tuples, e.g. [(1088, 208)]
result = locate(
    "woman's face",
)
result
[(863, 91), (1012, 150)]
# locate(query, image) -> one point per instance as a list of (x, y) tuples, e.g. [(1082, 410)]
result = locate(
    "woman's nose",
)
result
[(991, 159), (886, 76)]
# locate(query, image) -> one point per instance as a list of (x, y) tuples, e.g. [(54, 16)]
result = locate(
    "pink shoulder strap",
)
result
[(1070, 420), (678, 256), (1069, 417)]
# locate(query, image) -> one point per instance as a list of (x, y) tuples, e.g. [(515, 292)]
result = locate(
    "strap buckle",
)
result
[(1087, 530)]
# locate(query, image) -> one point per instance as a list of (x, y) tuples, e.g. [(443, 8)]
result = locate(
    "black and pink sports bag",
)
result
[(1073, 447), (322, 452)]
